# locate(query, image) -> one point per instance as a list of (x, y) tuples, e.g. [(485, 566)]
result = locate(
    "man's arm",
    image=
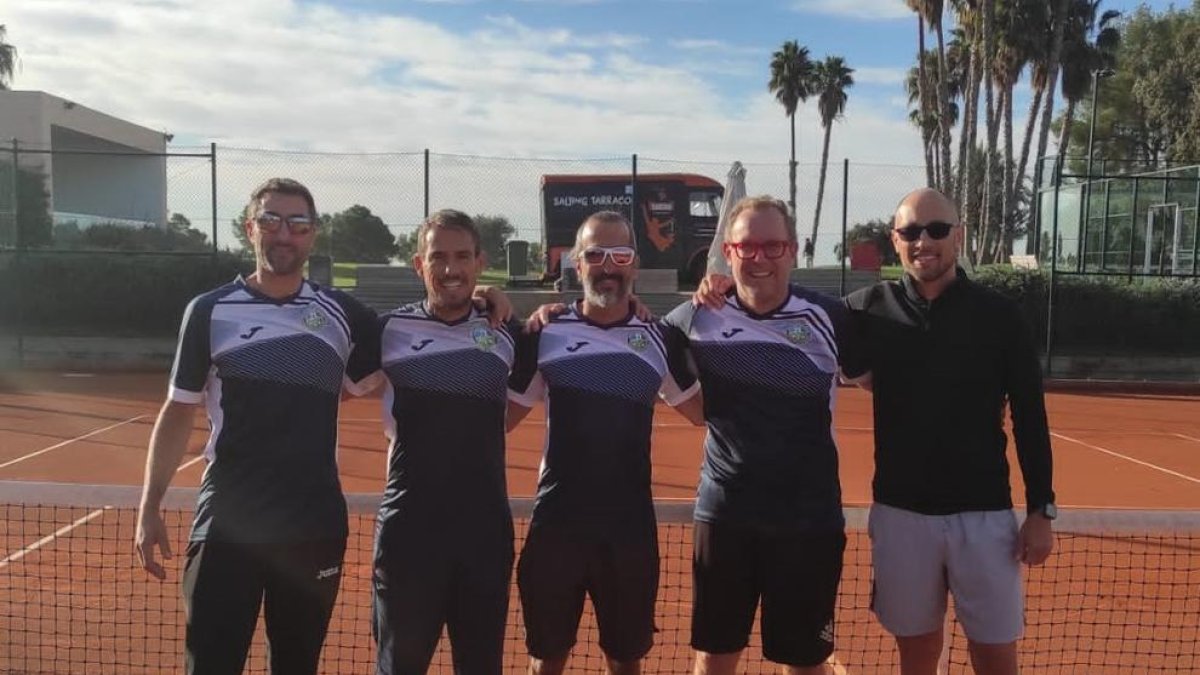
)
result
[(681, 384), (693, 408), (516, 413), (1031, 434), (168, 442)]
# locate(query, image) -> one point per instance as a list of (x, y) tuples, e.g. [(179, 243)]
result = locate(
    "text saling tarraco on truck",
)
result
[(674, 215)]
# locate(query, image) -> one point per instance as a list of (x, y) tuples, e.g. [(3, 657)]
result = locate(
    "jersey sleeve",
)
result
[(193, 354), (680, 381), (366, 331), (848, 333), (525, 385)]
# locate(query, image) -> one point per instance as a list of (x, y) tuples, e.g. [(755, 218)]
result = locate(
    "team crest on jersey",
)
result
[(314, 318), (798, 333), (638, 341), (484, 338)]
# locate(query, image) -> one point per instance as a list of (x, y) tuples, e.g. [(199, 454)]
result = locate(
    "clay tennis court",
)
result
[(1113, 450)]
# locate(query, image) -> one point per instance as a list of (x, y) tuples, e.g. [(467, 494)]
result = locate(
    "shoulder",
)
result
[(681, 317), (864, 298), (345, 301)]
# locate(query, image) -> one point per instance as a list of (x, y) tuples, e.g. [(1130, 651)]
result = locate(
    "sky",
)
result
[(668, 79)]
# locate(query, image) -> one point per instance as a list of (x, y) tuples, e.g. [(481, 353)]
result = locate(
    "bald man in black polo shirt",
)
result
[(945, 356)]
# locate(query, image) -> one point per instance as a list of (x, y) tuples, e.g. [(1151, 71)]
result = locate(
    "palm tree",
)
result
[(1090, 44), (933, 10), (8, 59), (922, 88), (988, 10), (831, 78), (966, 42), (1045, 79), (927, 119), (791, 75)]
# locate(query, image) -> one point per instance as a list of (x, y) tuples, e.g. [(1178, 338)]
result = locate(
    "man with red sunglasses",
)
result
[(599, 369), (945, 355), (768, 520)]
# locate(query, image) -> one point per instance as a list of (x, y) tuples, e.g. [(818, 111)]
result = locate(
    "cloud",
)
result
[(855, 9), (878, 75), (710, 46), (316, 78)]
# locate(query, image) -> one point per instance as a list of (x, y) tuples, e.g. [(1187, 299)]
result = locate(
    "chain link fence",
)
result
[(80, 229)]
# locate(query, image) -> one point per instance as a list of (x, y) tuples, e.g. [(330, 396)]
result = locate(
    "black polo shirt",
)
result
[(942, 372)]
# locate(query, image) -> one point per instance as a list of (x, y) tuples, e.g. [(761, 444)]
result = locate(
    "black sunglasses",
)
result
[(936, 230)]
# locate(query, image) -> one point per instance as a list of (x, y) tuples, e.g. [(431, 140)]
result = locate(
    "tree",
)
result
[(1046, 75), (537, 261), (8, 59), (831, 78), (357, 235), (791, 76), (1090, 43), (494, 232), (877, 231), (34, 222), (406, 246), (237, 227), (921, 89)]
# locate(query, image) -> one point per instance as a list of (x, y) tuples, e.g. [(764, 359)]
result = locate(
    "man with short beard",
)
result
[(268, 355), (599, 369), (444, 537)]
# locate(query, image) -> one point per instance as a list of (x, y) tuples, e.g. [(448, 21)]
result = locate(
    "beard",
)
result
[(282, 259), (606, 299)]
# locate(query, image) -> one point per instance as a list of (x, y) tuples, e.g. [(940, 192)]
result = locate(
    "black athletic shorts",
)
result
[(795, 574), (427, 578), (618, 571), (225, 585)]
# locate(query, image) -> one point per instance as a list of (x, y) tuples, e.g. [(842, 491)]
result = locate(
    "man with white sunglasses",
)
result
[(599, 369)]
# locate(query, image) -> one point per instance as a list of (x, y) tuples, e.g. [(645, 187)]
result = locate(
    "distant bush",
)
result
[(1106, 314), (105, 293)]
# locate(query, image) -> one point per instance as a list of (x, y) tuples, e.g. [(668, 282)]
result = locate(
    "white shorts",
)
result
[(918, 558)]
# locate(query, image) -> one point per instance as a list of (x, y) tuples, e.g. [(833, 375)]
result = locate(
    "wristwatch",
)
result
[(1048, 510)]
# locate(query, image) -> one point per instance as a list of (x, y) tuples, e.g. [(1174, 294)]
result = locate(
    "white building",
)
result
[(90, 160)]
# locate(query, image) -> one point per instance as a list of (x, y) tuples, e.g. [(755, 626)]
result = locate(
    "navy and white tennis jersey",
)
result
[(769, 380), (270, 372), (444, 412), (600, 384)]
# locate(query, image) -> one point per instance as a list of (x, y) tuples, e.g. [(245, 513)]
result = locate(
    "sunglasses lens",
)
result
[(773, 249), (910, 233), (621, 256), (938, 230), (593, 256)]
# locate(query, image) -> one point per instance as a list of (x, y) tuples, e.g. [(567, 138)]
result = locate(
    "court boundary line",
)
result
[(56, 446), (52, 537), (1127, 458), (66, 529), (1186, 437)]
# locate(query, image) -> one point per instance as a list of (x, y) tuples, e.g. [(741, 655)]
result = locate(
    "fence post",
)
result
[(845, 216), (633, 180), (1132, 227), (426, 179), (1053, 269), (17, 262), (212, 159)]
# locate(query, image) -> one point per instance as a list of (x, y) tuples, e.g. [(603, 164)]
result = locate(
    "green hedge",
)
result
[(116, 294), (1106, 314), (106, 293)]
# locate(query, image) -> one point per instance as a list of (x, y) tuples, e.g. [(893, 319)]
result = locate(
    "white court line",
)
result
[(50, 538), (1128, 458), (1187, 438), (68, 442), (67, 528), (837, 666)]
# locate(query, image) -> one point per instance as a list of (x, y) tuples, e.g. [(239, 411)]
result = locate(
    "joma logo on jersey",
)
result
[(250, 333), (577, 346), (730, 333), (422, 344)]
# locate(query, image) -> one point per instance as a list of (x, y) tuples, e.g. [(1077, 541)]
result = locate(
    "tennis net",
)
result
[(1121, 594)]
